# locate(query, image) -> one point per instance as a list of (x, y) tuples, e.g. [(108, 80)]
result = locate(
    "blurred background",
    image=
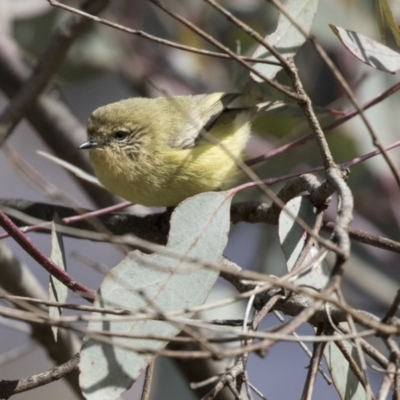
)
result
[(105, 65)]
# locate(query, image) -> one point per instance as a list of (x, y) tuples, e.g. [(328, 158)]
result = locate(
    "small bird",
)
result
[(158, 152)]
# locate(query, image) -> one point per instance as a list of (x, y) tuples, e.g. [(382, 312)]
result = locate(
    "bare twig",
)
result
[(367, 238), (313, 370), (153, 38), (148, 381), (393, 308), (75, 218), (334, 175), (361, 356), (392, 371), (352, 363), (326, 129), (376, 142), (227, 379), (19, 280), (369, 349), (346, 87), (37, 255), (151, 227), (251, 32), (306, 350), (224, 49), (10, 388)]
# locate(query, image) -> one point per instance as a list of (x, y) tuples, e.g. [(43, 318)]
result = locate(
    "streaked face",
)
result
[(112, 132)]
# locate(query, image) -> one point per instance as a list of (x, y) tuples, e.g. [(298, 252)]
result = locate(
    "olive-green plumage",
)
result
[(158, 152)]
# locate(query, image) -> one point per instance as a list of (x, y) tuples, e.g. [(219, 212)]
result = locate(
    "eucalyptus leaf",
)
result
[(57, 291), (286, 39), (344, 379), (294, 240), (157, 283), (367, 50)]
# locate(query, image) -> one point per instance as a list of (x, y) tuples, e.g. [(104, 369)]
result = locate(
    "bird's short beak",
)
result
[(90, 144)]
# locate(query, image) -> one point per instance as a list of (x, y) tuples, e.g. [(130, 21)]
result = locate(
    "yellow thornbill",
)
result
[(158, 152)]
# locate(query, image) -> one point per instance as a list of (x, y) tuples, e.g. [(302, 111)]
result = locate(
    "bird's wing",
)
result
[(205, 109), (210, 106)]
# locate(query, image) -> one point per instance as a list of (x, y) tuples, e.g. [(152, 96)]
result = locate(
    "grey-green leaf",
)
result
[(157, 283), (294, 240), (57, 291), (367, 50), (286, 39), (344, 379)]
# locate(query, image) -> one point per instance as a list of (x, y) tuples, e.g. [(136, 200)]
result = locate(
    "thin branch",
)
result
[(393, 308), (334, 175), (313, 370), (152, 228), (152, 38), (326, 129), (346, 87), (368, 349), (44, 261), (294, 305), (267, 337), (73, 219), (350, 114), (19, 280), (367, 238), (376, 142), (228, 378), (251, 32), (224, 49), (392, 371), (361, 356), (352, 363), (306, 350), (147, 381), (10, 388)]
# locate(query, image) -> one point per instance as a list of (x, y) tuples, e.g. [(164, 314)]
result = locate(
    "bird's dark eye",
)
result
[(120, 135)]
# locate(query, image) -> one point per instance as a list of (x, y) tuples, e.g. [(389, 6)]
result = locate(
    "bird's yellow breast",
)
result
[(165, 176)]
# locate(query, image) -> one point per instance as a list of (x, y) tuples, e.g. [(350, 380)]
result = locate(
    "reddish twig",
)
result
[(327, 128), (44, 261), (74, 219)]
